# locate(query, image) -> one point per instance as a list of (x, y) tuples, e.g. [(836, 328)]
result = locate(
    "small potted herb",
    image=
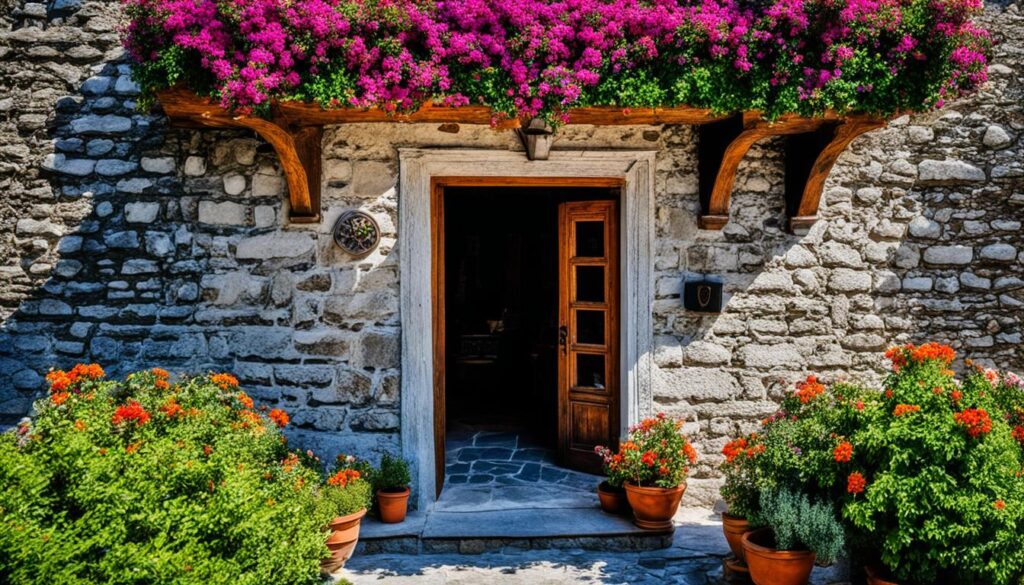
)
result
[(610, 492), (391, 481), (346, 495)]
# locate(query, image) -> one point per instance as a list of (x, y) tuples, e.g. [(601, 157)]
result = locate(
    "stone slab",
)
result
[(528, 523)]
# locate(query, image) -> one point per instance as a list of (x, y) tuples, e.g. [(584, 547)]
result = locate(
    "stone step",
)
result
[(475, 532)]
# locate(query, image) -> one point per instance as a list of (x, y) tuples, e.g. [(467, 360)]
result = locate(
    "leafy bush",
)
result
[(740, 490), (936, 477), (393, 474), (149, 481), (800, 524), (657, 454), (525, 58)]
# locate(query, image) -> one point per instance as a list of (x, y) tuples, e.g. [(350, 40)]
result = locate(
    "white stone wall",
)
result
[(135, 245)]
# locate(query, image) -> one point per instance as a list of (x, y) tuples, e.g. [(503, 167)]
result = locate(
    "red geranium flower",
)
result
[(648, 458), (975, 420), (809, 389), (999, 505), (279, 417), (903, 409), (855, 483), (843, 452), (131, 412)]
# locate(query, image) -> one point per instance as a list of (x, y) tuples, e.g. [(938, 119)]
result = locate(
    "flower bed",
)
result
[(525, 58), (154, 481)]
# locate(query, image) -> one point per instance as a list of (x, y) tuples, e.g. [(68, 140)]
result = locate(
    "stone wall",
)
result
[(135, 245)]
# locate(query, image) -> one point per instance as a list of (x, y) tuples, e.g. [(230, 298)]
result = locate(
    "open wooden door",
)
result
[(588, 355)]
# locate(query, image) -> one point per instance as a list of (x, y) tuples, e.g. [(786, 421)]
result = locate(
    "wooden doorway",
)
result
[(588, 373), (585, 414)]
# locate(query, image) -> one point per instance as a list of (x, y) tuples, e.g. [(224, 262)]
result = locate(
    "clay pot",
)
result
[(878, 576), (392, 505), (769, 566), (654, 507), (734, 528), (342, 541), (613, 499)]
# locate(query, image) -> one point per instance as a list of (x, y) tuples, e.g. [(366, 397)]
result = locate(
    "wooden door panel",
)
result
[(588, 384)]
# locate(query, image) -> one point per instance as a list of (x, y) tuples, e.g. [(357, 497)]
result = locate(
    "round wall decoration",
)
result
[(357, 233)]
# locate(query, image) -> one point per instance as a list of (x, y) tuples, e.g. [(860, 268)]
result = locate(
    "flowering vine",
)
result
[(525, 58)]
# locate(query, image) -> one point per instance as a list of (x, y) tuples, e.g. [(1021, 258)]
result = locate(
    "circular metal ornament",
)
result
[(357, 233)]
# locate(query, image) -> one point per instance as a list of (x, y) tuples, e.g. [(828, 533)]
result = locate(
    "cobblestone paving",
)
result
[(695, 558)]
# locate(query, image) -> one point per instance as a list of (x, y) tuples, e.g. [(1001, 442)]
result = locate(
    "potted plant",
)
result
[(934, 483), (391, 482), (797, 532), (346, 494), (655, 462), (610, 492), (740, 492)]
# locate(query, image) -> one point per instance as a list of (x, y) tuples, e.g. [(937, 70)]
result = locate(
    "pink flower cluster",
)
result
[(531, 57)]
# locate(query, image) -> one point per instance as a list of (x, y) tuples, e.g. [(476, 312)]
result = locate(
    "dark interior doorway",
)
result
[(501, 308)]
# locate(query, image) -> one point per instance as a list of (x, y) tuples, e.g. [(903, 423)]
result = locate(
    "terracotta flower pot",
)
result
[(734, 528), (878, 576), (392, 505), (342, 541), (613, 499), (769, 566), (654, 507)]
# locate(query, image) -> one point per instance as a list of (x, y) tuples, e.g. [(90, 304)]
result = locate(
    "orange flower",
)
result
[(843, 452), (88, 371), (59, 380), (79, 425), (224, 380), (734, 448), (131, 412), (999, 505), (59, 398), (161, 384), (956, 395), (904, 409), (279, 417), (133, 447), (933, 351), (855, 483), (648, 458), (690, 452), (171, 408), (975, 420), (809, 389), (343, 477), (207, 450), (290, 462), (160, 373), (859, 405), (1018, 433), (245, 400)]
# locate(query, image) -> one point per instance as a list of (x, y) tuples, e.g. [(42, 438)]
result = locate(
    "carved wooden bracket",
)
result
[(813, 146), (295, 130)]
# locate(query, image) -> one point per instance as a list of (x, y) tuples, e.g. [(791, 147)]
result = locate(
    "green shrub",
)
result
[(801, 524), (144, 481), (393, 473)]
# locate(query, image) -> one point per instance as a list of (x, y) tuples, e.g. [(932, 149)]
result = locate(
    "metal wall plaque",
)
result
[(357, 233)]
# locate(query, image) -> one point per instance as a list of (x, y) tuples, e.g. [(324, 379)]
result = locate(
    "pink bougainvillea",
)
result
[(541, 57)]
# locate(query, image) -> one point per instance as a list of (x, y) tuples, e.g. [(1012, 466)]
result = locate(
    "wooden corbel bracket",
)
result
[(813, 146)]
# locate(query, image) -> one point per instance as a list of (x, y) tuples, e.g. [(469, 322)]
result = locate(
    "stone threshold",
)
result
[(476, 532)]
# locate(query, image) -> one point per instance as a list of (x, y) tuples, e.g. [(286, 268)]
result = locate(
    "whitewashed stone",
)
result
[(697, 384), (920, 134), (996, 137), (222, 213), (195, 166), (371, 178), (106, 124), (922, 227), (112, 167), (771, 356), (267, 185), (937, 172), (77, 167), (275, 245), (917, 283), (159, 165), (134, 185), (234, 184), (869, 195), (706, 353), (837, 254), (947, 284), (33, 227), (999, 252), (971, 280), (949, 255), (141, 211), (139, 266), (264, 216), (845, 280)]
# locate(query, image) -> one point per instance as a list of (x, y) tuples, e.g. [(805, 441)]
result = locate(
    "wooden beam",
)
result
[(295, 130)]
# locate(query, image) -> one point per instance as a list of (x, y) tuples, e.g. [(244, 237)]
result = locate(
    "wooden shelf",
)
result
[(295, 131)]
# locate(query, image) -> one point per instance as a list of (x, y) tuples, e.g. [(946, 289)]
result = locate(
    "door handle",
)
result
[(563, 337)]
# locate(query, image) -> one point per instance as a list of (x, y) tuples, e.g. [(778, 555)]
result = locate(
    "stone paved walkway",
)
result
[(695, 558)]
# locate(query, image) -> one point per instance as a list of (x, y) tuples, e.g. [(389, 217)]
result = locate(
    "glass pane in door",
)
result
[(590, 284), (590, 239), (590, 327)]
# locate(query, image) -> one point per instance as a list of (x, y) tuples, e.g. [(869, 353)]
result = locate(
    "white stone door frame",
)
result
[(417, 168)]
